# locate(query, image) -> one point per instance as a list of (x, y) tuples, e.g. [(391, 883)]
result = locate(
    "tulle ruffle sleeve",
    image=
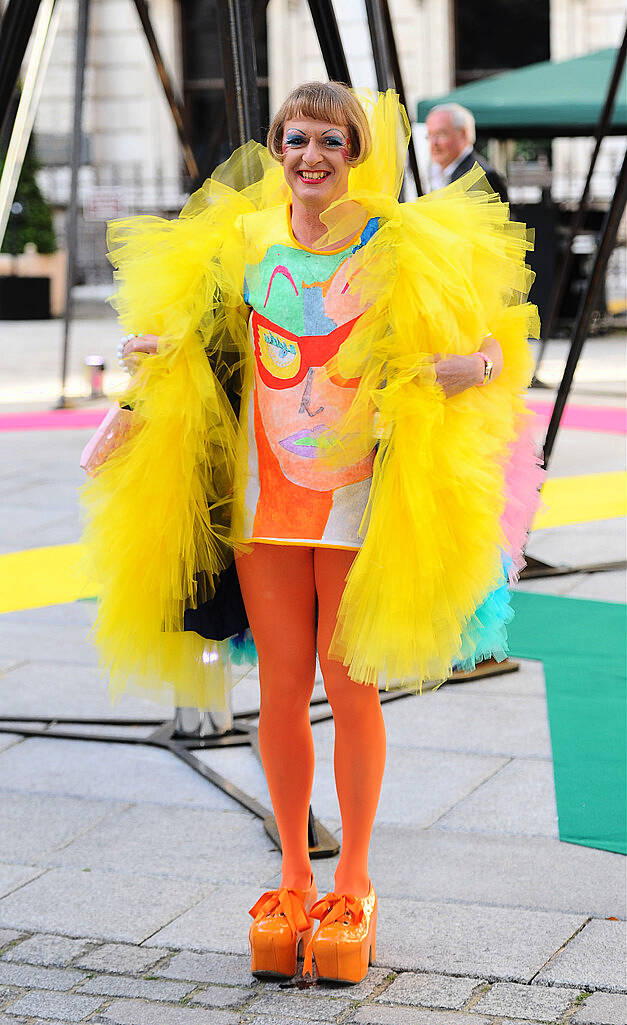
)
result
[(158, 516)]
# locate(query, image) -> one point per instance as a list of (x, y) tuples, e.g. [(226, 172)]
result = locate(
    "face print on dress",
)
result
[(300, 397), (299, 392), (305, 304)]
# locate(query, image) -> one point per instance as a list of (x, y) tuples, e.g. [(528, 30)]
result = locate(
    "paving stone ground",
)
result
[(123, 984)]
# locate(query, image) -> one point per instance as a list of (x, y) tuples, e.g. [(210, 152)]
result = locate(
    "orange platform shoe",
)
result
[(282, 928), (345, 944)]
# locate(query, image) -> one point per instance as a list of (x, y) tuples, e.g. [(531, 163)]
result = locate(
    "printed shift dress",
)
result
[(302, 310)]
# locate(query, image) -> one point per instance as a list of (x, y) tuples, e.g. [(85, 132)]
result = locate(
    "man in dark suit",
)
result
[(451, 135)]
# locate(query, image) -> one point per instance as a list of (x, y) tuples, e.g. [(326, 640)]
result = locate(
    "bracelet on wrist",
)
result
[(488, 368), (122, 359)]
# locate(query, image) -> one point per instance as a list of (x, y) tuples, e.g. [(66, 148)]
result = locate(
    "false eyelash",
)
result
[(300, 140)]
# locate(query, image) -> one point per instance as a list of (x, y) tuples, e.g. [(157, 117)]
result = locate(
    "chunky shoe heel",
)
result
[(346, 941), (281, 930), (373, 942), (303, 943)]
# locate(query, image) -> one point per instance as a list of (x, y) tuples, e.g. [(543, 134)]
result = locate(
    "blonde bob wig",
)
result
[(324, 101)]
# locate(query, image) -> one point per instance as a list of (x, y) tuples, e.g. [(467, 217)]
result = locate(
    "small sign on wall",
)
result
[(104, 203)]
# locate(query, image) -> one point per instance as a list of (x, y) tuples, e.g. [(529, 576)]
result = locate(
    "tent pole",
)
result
[(601, 131)]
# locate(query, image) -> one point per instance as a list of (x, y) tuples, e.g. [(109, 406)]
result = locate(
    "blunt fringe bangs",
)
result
[(323, 101)]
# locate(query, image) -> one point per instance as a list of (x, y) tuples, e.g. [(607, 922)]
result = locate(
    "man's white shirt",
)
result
[(442, 176)]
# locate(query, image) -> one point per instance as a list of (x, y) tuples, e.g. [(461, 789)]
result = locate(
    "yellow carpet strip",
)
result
[(592, 496), (42, 576)]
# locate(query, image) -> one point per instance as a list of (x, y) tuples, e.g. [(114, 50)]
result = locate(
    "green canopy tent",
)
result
[(553, 98)]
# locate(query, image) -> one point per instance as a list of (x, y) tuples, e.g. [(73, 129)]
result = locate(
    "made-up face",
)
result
[(446, 141), (300, 396), (315, 161)]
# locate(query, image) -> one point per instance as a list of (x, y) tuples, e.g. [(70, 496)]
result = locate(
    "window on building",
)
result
[(204, 84), (496, 35)]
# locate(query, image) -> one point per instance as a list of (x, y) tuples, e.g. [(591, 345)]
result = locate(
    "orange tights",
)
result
[(280, 585)]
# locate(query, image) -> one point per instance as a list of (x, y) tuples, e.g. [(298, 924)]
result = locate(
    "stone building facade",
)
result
[(131, 147)]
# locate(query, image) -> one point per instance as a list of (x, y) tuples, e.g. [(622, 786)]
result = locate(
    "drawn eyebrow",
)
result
[(286, 274), (338, 131)]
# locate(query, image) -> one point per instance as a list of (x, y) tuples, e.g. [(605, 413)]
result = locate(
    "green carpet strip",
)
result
[(582, 646)]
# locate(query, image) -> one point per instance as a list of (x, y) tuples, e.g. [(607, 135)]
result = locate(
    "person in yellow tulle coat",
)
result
[(332, 404)]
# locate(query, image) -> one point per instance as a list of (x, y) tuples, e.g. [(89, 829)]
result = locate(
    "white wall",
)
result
[(581, 26), (126, 115)]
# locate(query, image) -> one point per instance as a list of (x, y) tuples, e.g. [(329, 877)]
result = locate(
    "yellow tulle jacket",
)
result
[(162, 516)]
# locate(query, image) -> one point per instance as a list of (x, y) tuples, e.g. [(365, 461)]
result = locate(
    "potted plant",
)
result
[(30, 247)]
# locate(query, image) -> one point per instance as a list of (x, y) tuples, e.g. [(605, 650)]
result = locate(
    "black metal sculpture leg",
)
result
[(399, 85), (387, 67), (82, 33), (15, 31), (559, 290), (174, 103), (378, 42), (217, 132), (322, 843), (239, 66), (607, 237), (330, 41), (581, 326)]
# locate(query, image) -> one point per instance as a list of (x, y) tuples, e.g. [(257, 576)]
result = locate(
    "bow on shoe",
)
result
[(289, 903), (329, 909)]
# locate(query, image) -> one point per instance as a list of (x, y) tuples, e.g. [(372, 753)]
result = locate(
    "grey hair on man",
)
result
[(461, 118), (451, 136)]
